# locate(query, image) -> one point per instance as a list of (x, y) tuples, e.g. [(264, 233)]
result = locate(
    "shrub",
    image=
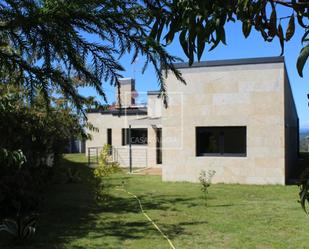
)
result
[(36, 131), (304, 193), (22, 228), (205, 180), (40, 132), (29, 131), (19, 186), (105, 168), (73, 176)]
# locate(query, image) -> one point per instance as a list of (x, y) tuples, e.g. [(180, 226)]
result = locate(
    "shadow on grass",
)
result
[(71, 213), (68, 210)]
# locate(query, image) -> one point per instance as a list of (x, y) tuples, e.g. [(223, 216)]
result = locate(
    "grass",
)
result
[(237, 216)]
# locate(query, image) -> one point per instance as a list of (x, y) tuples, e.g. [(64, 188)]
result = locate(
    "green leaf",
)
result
[(302, 58), (159, 32), (291, 28), (300, 21), (281, 38), (154, 30), (215, 44), (246, 28), (169, 37), (303, 194), (191, 53), (217, 23), (305, 36), (173, 28), (192, 29), (222, 35), (273, 23), (10, 226), (258, 22), (183, 42), (201, 36)]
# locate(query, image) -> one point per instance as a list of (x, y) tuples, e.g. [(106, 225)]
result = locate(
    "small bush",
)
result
[(21, 228), (20, 187), (105, 168), (205, 180), (73, 176)]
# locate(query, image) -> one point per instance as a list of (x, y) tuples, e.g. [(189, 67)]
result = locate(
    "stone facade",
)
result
[(142, 155), (121, 118), (255, 95), (126, 90)]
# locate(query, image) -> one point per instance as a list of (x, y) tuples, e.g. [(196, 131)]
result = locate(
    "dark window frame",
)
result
[(159, 145), (109, 136), (221, 140), (125, 136)]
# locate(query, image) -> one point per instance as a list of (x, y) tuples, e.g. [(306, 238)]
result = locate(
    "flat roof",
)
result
[(232, 62), (122, 111), (153, 92)]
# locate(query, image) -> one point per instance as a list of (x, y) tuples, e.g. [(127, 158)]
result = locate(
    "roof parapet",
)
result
[(153, 92), (232, 62)]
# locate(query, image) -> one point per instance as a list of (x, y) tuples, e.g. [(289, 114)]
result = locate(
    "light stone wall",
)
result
[(238, 95), (143, 155), (127, 87), (155, 106)]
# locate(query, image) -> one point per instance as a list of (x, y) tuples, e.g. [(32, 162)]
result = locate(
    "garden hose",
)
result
[(148, 218)]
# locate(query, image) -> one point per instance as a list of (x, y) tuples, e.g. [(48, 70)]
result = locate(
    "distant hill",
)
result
[(303, 142)]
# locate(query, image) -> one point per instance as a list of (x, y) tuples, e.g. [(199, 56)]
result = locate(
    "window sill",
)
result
[(220, 155), (127, 145)]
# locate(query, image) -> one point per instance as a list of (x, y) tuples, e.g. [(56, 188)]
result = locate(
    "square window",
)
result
[(139, 136), (221, 141)]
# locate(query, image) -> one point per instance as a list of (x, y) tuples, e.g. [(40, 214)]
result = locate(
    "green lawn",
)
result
[(238, 216)]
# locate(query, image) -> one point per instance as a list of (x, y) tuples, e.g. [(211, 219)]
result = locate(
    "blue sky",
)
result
[(237, 47)]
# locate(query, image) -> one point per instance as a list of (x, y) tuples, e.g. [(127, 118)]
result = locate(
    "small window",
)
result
[(139, 136), (221, 141), (159, 145), (109, 137)]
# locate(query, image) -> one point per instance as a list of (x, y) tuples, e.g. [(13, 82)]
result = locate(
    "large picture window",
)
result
[(221, 141), (139, 136)]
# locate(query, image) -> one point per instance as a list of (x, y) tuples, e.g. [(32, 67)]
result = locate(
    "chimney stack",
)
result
[(127, 92)]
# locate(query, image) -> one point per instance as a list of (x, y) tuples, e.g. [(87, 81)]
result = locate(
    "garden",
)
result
[(52, 50), (236, 216)]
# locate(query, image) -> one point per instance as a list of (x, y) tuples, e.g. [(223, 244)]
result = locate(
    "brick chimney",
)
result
[(127, 92)]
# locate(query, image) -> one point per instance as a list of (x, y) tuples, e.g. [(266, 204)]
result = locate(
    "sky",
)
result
[(237, 47)]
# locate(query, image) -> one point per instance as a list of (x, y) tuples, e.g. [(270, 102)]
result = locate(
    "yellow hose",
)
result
[(148, 218)]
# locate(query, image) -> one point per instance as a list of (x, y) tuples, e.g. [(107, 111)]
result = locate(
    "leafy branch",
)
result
[(201, 23)]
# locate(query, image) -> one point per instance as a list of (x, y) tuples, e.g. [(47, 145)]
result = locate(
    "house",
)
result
[(236, 117), (113, 125)]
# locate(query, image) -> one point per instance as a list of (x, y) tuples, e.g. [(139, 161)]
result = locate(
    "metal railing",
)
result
[(139, 156), (121, 155), (93, 155)]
